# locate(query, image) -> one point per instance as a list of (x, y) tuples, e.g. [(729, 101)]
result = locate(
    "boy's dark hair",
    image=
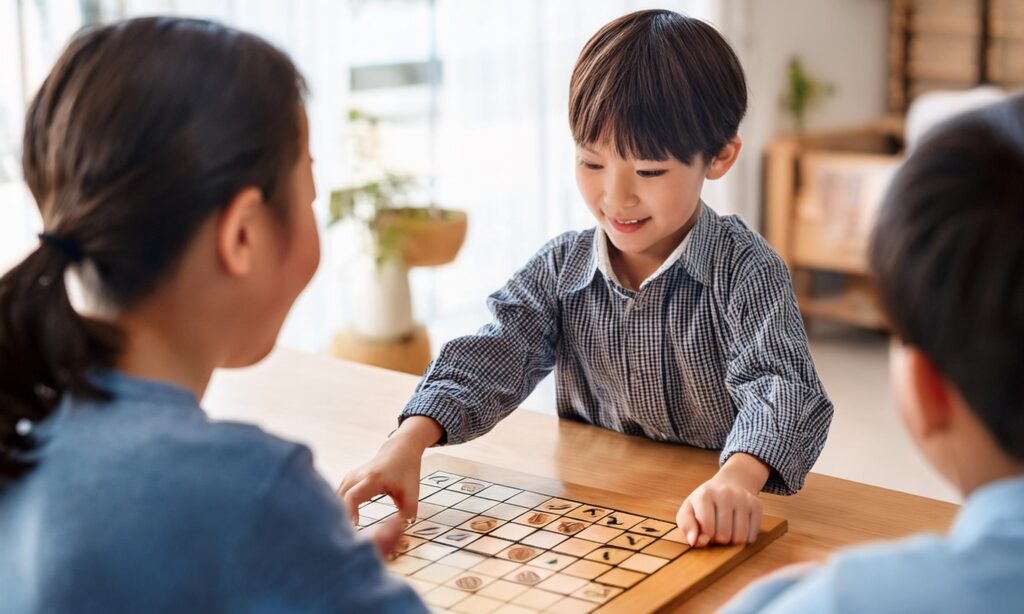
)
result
[(142, 130), (656, 83), (948, 254)]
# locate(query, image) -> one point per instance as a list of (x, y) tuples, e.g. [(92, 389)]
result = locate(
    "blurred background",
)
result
[(457, 108)]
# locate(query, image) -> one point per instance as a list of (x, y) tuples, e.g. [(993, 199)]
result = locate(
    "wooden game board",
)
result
[(487, 539)]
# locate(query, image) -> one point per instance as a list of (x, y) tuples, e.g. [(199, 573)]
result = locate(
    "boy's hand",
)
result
[(725, 509), (394, 471)]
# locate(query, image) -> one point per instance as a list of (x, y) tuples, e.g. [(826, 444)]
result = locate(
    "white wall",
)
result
[(844, 42)]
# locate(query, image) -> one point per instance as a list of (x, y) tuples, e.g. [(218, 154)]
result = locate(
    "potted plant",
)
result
[(399, 236), (803, 92)]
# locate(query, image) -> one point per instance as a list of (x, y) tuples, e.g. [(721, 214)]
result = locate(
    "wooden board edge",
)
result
[(663, 591)]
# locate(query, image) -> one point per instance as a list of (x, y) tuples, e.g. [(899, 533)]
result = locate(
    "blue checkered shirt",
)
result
[(710, 352)]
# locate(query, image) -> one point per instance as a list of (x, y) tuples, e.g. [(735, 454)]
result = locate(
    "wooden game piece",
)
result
[(597, 593), (457, 538), (553, 561), (588, 513), (528, 576), (558, 506), (620, 520), (632, 541), (652, 527), (567, 526), (482, 524), (609, 555), (468, 486), (519, 554)]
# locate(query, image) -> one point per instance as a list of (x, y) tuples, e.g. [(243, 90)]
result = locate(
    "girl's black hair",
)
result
[(142, 131)]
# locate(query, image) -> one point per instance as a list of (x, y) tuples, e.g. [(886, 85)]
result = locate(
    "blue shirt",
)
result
[(144, 505), (979, 567), (711, 351)]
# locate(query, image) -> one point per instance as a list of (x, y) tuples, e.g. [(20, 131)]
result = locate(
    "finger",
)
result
[(346, 484), (406, 500), (724, 512), (704, 511), (363, 491), (385, 535), (689, 528), (755, 522), (741, 526)]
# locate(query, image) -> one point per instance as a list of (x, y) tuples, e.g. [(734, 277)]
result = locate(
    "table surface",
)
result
[(344, 410)]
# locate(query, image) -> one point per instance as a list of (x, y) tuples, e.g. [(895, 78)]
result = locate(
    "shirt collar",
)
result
[(700, 245), (992, 504), (693, 253), (125, 387)]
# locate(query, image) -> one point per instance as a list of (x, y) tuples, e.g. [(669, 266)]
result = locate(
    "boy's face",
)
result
[(645, 207)]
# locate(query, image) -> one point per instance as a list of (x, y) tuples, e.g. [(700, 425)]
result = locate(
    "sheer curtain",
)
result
[(490, 135)]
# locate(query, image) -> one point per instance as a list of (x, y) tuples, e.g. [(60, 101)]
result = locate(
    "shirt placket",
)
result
[(643, 357)]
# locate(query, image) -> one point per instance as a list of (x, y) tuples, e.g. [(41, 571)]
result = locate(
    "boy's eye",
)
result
[(590, 165), (657, 173)]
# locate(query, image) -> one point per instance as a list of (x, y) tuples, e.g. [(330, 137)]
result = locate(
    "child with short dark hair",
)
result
[(170, 162), (666, 320), (948, 255)]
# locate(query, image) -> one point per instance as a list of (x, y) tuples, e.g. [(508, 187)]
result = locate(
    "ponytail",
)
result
[(46, 349)]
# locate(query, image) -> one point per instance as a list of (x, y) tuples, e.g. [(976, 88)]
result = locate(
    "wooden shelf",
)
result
[(853, 307), (952, 44)]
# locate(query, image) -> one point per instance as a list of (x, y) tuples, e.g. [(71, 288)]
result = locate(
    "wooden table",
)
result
[(344, 411)]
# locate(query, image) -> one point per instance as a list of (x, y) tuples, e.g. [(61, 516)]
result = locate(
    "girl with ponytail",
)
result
[(169, 160)]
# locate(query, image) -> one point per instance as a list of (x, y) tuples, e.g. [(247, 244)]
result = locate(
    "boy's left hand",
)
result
[(725, 509)]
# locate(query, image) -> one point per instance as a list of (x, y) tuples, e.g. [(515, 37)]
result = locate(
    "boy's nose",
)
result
[(619, 194)]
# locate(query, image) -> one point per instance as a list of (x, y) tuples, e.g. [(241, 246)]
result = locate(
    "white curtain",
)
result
[(492, 136)]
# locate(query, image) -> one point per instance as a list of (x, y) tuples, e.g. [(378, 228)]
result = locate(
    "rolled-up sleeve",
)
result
[(479, 379), (783, 413)]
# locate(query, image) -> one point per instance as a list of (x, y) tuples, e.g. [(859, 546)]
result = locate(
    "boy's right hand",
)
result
[(394, 471)]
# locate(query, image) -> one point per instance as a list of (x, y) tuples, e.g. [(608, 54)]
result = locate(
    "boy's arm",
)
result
[(783, 413), (479, 379)]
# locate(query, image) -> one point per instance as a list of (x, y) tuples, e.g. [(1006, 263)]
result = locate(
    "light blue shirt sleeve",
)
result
[(780, 593), (300, 554)]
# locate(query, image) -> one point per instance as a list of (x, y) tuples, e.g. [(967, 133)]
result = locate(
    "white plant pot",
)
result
[(381, 300)]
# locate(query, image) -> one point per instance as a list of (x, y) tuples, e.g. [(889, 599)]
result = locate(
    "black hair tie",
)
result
[(64, 246)]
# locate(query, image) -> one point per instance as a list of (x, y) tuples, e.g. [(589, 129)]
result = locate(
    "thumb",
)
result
[(385, 535)]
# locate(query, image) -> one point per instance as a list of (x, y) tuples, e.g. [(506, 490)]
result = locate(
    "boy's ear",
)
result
[(236, 231), (724, 159), (932, 395)]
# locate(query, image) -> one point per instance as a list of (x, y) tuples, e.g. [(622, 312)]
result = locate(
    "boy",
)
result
[(665, 321), (948, 253)]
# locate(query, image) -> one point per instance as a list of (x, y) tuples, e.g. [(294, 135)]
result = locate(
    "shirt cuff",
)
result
[(442, 410), (784, 458)]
